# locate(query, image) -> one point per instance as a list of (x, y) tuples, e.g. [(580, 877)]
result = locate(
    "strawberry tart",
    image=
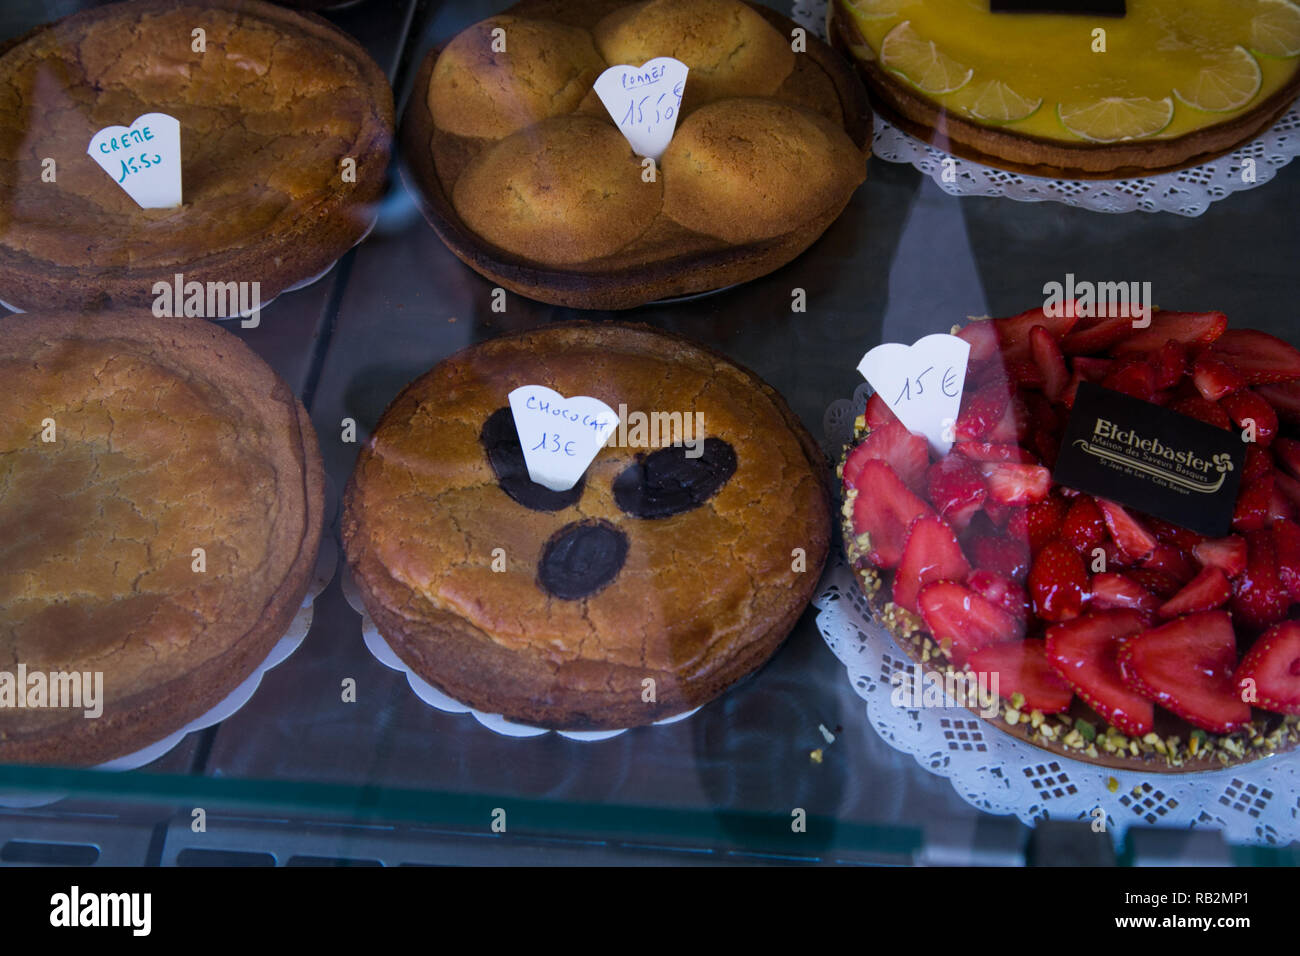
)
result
[(1116, 637)]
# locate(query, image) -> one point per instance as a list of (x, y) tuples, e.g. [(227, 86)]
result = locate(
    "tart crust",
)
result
[(1277, 733), (705, 596), (282, 222), (222, 428), (920, 117), (668, 260)]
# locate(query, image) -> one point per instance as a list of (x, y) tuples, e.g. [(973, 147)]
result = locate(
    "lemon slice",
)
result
[(1275, 30), (1226, 85), (920, 62), (1116, 118), (876, 9), (992, 101)]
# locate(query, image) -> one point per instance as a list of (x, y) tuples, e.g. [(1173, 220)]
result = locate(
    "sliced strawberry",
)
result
[(1189, 328), (1160, 583), (1133, 377), (1205, 592), (1003, 592), (931, 554), (1002, 555), (1016, 523), (1011, 484), (1097, 335), (1171, 364), (1013, 424), (1260, 358), (1227, 554), (981, 411), (907, 454), (1171, 533), (997, 513), (1174, 561), (884, 510), (1085, 652), (1285, 399), (1051, 363), (983, 338), (1258, 462), (1279, 505), (1286, 549), (962, 621), (1113, 590), (1022, 668), (1259, 598), (1043, 521), (1215, 378), (1203, 410), (986, 451), (878, 414), (1013, 332), (1133, 539), (1273, 663), (1058, 581), (1245, 406), (956, 489), (1026, 374), (1253, 504), (1289, 487), (1093, 369), (1084, 527), (1187, 666), (1287, 453)]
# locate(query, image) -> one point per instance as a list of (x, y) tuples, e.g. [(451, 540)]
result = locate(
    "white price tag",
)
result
[(143, 158), (921, 384), (560, 436), (644, 102)]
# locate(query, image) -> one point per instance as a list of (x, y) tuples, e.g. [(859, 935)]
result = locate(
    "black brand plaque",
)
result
[(1093, 8), (1150, 459)]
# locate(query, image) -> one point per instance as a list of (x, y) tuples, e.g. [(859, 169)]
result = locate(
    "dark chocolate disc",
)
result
[(500, 439), (580, 559), (668, 481)]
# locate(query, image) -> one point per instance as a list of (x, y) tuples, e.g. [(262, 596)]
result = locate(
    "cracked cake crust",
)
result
[(705, 596), (267, 113), (169, 435)]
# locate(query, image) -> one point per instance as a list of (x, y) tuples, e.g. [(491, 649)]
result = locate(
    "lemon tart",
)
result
[(1165, 85)]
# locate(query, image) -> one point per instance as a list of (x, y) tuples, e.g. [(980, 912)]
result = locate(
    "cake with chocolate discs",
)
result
[(675, 566), (161, 501), (285, 131), (529, 180), (1110, 635)]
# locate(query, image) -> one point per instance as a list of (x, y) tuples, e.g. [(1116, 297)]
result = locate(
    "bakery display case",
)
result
[(411, 711)]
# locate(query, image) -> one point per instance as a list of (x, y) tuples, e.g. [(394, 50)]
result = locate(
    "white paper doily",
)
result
[(1187, 192), (449, 705), (1257, 803), (326, 563)]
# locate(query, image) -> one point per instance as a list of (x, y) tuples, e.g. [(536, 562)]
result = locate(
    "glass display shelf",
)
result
[(297, 775)]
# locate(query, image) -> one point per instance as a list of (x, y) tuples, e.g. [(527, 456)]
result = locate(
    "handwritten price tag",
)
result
[(644, 101), (560, 436), (143, 158), (921, 384)]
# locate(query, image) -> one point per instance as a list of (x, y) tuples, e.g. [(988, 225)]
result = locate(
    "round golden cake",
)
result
[(743, 169), (127, 443), (536, 229), (1169, 84), (731, 50), (269, 110), (568, 189), (505, 73), (675, 567)]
